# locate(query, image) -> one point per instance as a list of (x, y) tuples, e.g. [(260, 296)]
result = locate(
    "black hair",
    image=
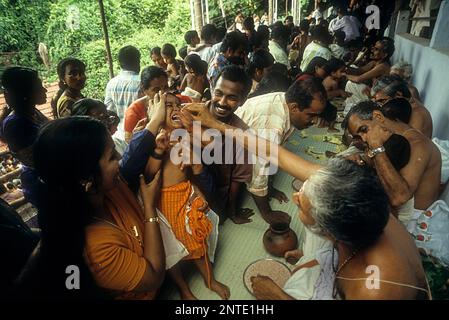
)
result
[(321, 34), (220, 34), (280, 33), (388, 47), (280, 68), (84, 106), (317, 62), (289, 19), (183, 52), (149, 74), (233, 41), (397, 149), (397, 109), (304, 25), (19, 82), (248, 23), (272, 82), (66, 153), (302, 92), (208, 32), (364, 110), (129, 58), (190, 35), (156, 51), (260, 59), (339, 37), (264, 31), (60, 69), (329, 113), (333, 65), (194, 62), (169, 50), (236, 74)]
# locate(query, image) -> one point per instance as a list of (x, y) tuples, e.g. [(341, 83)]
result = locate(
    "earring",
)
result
[(87, 186)]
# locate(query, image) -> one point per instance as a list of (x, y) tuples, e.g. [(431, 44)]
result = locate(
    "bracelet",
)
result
[(157, 156), (153, 219)]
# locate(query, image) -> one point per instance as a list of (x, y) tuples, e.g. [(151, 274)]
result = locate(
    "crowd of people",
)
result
[(112, 202)]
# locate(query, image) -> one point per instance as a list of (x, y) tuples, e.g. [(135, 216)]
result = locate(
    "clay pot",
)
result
[(279, 238)]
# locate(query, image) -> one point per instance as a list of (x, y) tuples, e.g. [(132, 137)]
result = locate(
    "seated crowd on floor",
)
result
[(112, 202)]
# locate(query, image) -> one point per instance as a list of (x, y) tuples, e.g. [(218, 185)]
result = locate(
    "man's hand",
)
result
[(141, 124), (377, 135), (277, 217), (293, 256), (199, 112), (162, 142), (265, 289)]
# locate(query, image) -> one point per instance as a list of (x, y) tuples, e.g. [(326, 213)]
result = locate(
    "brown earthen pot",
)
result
[(279, 238)]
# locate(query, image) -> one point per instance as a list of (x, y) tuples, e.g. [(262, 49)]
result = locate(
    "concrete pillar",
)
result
[(402, 21), (440, 36)]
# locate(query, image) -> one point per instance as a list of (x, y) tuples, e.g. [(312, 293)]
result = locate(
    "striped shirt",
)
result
[(269, 116), (121, 91)]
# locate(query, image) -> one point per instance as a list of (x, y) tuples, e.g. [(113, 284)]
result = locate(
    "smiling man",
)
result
[(231, 90), (274, 116)]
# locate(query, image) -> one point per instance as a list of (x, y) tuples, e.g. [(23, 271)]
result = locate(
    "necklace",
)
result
[(335, 290), (134, 229)]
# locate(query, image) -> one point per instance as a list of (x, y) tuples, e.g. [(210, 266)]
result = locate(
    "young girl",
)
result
[(169, 54), (72, 79), (185, 208), (195, 81)]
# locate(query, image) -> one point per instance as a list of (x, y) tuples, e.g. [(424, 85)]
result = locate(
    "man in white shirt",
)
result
[(274, 116), (350, 25)]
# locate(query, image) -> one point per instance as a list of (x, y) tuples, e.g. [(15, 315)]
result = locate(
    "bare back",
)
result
[(397, 259), (421, 119), (427, 190), (196, 82)]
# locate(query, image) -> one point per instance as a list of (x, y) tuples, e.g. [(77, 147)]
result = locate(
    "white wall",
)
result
[(430, 76)]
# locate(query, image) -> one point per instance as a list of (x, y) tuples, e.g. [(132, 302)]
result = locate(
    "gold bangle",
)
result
[(153, 219)]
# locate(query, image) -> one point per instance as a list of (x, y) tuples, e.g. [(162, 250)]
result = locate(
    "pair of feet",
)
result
[(218, 287)]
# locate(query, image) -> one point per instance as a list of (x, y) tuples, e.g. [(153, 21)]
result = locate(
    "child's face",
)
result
[(339, 73), (167, 59), (173, 116), (158, 60)]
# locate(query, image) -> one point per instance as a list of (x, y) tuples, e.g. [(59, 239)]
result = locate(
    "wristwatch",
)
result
[(373, 152)]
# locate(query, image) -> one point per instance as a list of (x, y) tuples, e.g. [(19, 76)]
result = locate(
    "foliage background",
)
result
[(142, 23)]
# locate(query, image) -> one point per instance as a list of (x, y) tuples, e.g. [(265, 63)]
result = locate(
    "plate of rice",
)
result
[(274, 269)]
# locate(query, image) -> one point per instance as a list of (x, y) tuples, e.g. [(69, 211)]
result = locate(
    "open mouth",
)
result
[(221, 110), (176, 118)]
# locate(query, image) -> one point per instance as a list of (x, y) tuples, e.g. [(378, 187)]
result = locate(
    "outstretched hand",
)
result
[(199, 112)]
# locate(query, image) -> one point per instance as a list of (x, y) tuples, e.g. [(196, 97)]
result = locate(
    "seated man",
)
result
[(420, 177), (274, 116), (230, 92), (390, 87)]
